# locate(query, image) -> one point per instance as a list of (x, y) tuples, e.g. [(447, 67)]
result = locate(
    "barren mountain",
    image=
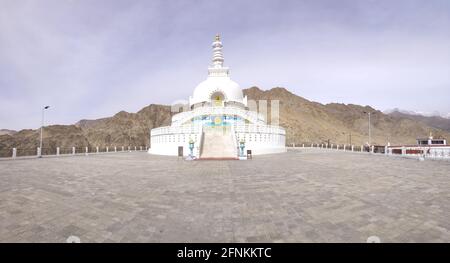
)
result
[(26, 141), (305, 122), (437, 122), (6, 131), (125, 128)]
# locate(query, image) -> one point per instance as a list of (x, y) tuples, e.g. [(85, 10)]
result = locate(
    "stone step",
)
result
[(218, 143)]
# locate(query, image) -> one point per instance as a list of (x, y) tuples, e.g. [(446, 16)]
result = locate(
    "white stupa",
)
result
[(218, 123)]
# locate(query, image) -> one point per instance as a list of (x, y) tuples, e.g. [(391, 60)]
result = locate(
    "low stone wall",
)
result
[(20, 153), (417, 152)]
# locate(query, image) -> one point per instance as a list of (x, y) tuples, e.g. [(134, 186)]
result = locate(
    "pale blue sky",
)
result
[(90, 58)]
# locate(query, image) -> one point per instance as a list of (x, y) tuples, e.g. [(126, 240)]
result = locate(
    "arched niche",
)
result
[(217, 98)]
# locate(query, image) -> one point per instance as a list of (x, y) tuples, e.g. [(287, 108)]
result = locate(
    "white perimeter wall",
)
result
[(262, 143), (433, 151), (261, 139), (166, 140)]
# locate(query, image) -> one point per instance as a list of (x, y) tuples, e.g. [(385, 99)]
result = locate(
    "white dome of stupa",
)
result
[(213, 85), (218, 82)]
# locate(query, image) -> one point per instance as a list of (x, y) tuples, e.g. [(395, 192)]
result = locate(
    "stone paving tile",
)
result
[(304, 195)]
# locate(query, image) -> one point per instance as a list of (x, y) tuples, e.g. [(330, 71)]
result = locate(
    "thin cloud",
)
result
[(91, 59)]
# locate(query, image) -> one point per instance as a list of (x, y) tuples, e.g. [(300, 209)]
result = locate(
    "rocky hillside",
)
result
[(305, 122), (432, 121), (6, 131), (126, 128), (122, 129), (26, 141)]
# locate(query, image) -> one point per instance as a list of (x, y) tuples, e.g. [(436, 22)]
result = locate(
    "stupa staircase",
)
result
[(218, 143)]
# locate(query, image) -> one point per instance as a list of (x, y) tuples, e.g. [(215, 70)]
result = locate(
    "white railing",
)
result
[(187, 129), (237, 128), (180, 118), (258, 128)]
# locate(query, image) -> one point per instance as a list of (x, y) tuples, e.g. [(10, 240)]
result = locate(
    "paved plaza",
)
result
[(304, 195)]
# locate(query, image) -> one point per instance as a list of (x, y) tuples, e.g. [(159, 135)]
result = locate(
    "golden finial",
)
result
[(217, 37)]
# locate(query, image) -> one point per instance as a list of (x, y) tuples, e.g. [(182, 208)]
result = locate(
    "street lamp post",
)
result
[(42, 127), (370, 134)]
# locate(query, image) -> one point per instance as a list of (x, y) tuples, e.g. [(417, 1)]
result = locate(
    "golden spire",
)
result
[(217, 37)]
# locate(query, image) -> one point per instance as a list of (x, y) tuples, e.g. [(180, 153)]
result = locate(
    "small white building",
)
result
[(431, 141), (218, 123), (428, 147)]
